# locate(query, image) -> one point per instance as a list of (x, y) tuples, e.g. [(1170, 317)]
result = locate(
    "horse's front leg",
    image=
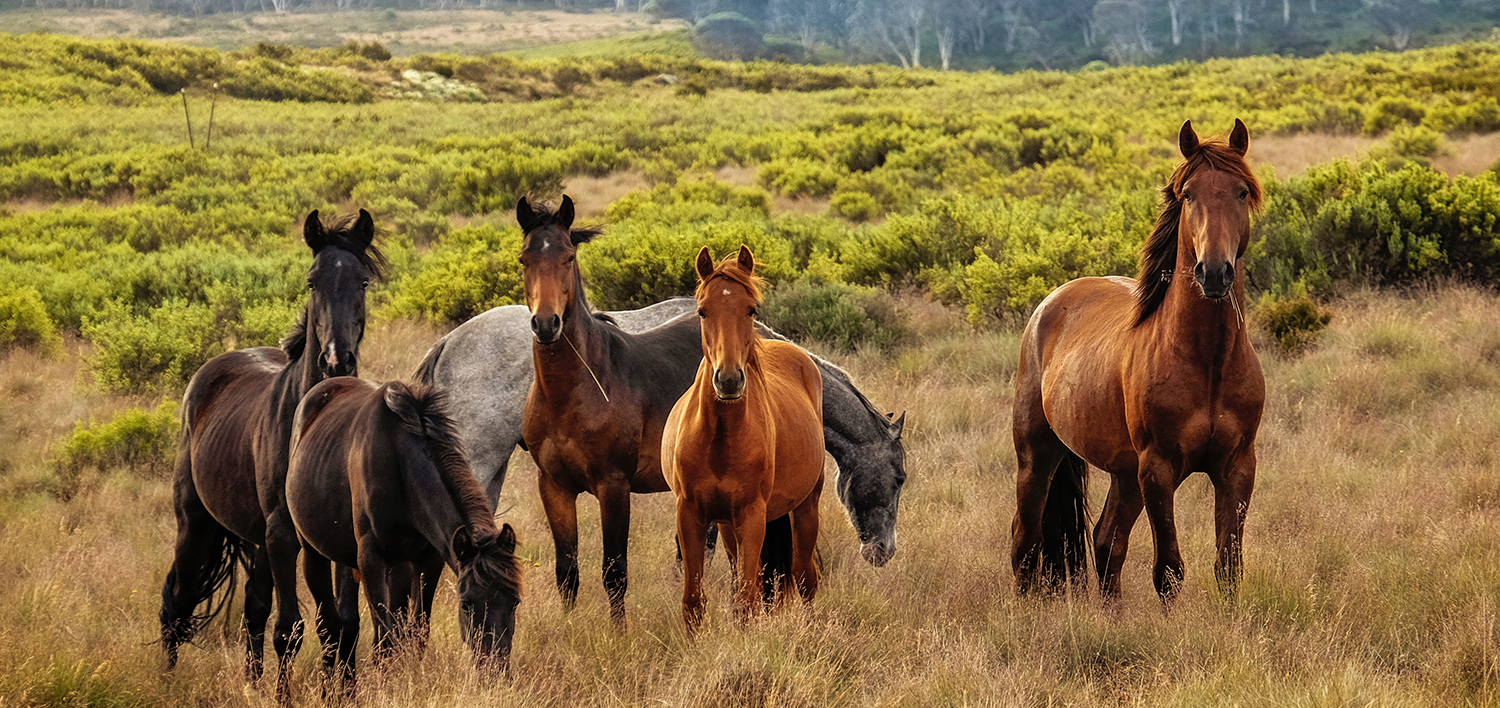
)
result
[(1112, 534), (1158, 477), (282, 547), (692, 540), (425, 587), (1232, 488), (805, 530), (749, 535), (376, 573), (561, 506), (614, 517)]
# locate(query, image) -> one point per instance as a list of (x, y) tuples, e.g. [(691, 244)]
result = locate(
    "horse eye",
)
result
[(365, 284), (754, 312), (1244, 193), (701, 314), (570, 259), (310, 285)]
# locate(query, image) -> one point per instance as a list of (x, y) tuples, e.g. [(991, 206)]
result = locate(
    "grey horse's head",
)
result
[(871, 490)]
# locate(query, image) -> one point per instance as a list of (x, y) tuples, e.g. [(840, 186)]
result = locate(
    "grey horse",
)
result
[(485, 366)]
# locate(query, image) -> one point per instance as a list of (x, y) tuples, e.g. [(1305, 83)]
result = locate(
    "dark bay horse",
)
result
[(742, 446), (1150, 380), (236, 424), (378, 481), (485, 367)]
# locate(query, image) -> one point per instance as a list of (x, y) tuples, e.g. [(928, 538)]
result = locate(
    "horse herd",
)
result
[(287, 456)]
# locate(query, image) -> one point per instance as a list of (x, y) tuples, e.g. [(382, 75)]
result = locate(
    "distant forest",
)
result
[(974, 34)]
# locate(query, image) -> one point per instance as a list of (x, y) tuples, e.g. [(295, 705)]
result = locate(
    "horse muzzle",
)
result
[(547, 329), (729, 386), (1215, 280), (879, 551), (339, 363)]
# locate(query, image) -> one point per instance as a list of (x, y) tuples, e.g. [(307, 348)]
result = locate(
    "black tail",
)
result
[(776, 557), (428, 368), (1065, 525)]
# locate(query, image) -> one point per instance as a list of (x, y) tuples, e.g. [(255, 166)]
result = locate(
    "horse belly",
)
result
[(1087, 412)]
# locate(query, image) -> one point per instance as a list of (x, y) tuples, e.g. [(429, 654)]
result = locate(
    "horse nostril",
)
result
[(1198, 272)]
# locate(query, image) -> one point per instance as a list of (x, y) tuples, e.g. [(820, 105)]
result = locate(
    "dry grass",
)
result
[(1373, 558)]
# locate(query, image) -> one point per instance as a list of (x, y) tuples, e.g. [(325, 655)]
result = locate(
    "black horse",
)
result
[(232, 454)]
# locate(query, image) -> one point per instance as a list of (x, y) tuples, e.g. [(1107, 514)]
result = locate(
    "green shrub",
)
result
[(140, 442), (854, 206), (838, 314), (728, 35), (471, 270), (24, 322), (1392, 111), (798, 178), (1417, 142), (1293, 321)]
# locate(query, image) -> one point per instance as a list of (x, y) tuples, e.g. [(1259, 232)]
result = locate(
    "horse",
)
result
[(485, 366), (236, 426), (378, 481), (741, 446), (1150, 380)]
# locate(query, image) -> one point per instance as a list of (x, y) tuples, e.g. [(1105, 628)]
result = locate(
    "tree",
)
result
[(893, 26), (1174, 7), (1398, 17), (1122, 25)]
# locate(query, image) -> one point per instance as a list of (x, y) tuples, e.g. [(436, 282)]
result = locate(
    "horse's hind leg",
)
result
[(1232, 488), (1038, 454), (561, 506), (258, 591), (204, 557), (346, 589), (1112, 534), (776, 553)]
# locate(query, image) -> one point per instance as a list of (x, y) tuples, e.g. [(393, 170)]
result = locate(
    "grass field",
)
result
[(1373, 560)]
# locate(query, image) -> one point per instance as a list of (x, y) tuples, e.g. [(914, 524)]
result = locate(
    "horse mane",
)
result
[(1158, 257), (296, 337), (423, 410), (730, 268), (369, 255)]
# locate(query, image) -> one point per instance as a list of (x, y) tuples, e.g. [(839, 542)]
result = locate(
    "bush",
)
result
[(1393, 111), (1293, 322), (143, 443), (728, 35), (838, 314), (24, 322), (1417, 142), (471, 270), (854, 206)]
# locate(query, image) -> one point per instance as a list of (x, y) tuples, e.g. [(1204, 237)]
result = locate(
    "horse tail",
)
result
[(1065, 523), (427, 370), (776, 557), (206, 557)]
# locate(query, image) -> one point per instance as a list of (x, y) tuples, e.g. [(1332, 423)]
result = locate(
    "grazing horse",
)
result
[(236, 425), (485, 367), (378, 481), (741, 446), (1150, 380)]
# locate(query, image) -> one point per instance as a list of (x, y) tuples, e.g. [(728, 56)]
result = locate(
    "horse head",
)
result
[(549, 264), (489, 589), (344, 262), (873, 495), (728, 297), (1217, 194)]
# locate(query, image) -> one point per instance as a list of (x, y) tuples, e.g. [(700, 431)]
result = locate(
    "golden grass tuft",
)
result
[(1372, 559)]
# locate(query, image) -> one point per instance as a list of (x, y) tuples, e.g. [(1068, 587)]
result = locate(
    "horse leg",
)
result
[(614, 517), (805, 527), (1112, 534), (376, 574), (691, 541), (346, 589), (749, 535), (203, 558), (281, 549), (318, 575), (561, 506), (776, 550), (1037, 458), (400, 579), (1158, 478), (258, 592), (1232, 488), (425, 588)]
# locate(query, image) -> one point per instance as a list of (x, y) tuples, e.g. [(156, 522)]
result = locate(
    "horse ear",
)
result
[(312, 232), (1187, 141), (898, 426), (564, 216), (525, 216), (463, 545), (507, 539), (705, 264), (1239, 138), (746, 259), (363, 232)]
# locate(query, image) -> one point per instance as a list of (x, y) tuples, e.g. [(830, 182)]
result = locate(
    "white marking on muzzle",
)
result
[(333, 355)]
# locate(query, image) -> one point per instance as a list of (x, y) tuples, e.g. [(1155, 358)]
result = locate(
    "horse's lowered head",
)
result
[(489, 589), (1217, 193), (344, 263), (728, 300), (549, 264), (873, 495)]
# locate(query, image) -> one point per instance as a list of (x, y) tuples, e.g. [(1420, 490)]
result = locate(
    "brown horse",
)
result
[(1150, 380), (236, 424), (743, 445), (378, 481)]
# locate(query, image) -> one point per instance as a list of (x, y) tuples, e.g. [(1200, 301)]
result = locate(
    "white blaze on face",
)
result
[(726, 292), (333, 354)]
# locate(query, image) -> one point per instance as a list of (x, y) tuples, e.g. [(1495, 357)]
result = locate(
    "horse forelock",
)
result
[(492, 568), (545, 216), (1158, 257), (340, 235), (730, 268)]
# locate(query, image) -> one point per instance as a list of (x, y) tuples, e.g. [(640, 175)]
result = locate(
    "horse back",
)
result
[(318, 486)]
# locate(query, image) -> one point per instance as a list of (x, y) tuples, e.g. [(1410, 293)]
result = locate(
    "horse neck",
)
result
[(581, 354), (848, 424), (298, 377), (1209, 331), (437, 507)]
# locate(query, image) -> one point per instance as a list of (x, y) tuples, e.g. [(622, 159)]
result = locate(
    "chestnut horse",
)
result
[(743, 445), (1150, 380), (378, 481), (236, 425)]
